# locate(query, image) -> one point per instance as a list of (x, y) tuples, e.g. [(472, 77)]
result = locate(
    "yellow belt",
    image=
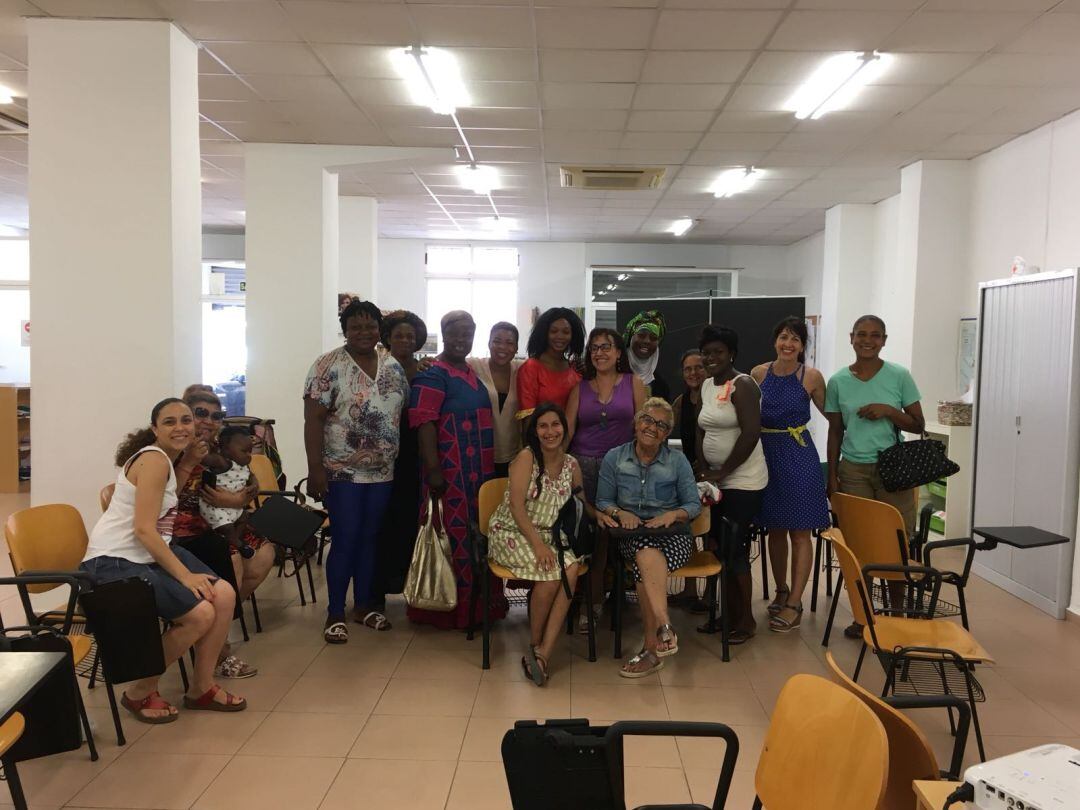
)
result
[(795, 432)]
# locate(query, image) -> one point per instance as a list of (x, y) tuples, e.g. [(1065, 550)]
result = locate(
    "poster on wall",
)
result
[(813, 327), (965, 356)]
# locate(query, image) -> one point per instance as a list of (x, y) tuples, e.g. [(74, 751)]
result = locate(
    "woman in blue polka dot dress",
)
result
[(794, 502)]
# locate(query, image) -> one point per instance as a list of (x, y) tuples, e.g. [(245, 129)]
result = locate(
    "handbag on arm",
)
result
[(431, 584)]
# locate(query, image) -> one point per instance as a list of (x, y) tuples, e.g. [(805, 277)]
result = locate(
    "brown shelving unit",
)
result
[(14, 436)]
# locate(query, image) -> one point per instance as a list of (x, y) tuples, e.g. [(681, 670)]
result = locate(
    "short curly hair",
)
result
[(399, 316), (358, 307)]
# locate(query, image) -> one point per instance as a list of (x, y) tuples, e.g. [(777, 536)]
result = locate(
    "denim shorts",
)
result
[(172, 597)]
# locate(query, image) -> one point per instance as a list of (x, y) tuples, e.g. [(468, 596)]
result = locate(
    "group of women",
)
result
[(582, 417)]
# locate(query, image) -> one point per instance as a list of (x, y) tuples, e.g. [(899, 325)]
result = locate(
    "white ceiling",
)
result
[(693, 85)]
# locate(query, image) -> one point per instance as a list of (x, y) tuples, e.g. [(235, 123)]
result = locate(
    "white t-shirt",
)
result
[(721, 425), (114, 534)]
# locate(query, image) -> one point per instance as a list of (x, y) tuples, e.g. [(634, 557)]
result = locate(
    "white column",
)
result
[(847, 280), (115, 245), (358, 246), (292, 249), (933, 256)]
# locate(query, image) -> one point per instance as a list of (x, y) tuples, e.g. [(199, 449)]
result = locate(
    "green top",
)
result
[(845, 394)]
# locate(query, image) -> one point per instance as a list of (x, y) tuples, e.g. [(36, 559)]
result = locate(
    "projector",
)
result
[(1043, 778)]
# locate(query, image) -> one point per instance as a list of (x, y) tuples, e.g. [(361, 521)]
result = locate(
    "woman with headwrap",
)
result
[(643, 335), (451, 412), (403, 334)]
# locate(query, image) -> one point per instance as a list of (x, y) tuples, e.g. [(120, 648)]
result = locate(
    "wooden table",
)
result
[(21, 673), (932, 795)]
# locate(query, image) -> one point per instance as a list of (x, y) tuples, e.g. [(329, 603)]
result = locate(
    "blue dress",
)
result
[(795, 496)]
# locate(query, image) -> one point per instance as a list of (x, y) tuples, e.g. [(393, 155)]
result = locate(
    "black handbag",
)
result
[(911, 464), (570, 533)]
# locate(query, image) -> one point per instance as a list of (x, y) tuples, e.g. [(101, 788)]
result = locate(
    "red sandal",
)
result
[(207, 703), (151, 701)]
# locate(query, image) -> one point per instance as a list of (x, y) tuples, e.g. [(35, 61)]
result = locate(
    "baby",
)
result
[(228, 470)]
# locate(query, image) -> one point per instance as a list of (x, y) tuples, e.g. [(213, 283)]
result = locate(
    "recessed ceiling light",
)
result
[(681, 226), (836, 82), (478, 178), (622, 277), (6, 96), (433, 78), (734, 181)]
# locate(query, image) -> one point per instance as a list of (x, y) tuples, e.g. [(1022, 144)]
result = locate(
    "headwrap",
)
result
[(398, 316), (652, 321)]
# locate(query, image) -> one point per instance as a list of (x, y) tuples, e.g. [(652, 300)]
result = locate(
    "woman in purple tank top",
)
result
[(600, 412)]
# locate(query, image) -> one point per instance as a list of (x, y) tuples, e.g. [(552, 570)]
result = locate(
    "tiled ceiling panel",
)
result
[(694, 86)]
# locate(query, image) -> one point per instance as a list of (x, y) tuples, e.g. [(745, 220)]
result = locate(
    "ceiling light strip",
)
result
[(438, 202)]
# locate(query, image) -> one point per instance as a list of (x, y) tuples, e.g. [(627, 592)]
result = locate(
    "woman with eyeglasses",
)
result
[(194, 533), (647, 494), (729, 455), (600, 412)]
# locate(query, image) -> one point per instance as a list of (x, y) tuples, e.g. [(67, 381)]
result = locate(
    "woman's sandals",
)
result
[(335, 632), (373, 620), (667, 642), (788, 618), (779, 601), (535, 666), (644, 657)]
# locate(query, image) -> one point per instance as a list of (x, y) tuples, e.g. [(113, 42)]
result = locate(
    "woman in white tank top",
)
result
[(730, 456), (132, 540)]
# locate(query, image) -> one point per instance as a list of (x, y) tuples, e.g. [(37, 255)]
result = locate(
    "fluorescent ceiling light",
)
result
[(836, 82), (6, 96), (433, 78), (622, 277), (734, 181), (681, 226), (481, 179)]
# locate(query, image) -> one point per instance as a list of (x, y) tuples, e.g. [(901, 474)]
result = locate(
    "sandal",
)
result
[(655, 665), (233, 667), (151, 701), (739, 637), (206, 702), (665, 634), (373, 620), (537, 666), (335, 632), (779, 602), (778, 624)]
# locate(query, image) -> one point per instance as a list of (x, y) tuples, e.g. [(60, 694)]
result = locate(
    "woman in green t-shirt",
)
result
[(867, 403)]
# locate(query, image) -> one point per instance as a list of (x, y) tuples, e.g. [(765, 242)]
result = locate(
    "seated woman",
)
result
[(543, 477), (132, 539), (648, 490)]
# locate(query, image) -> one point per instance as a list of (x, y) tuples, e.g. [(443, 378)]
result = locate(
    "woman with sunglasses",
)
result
[(647, 491), (193, 532), (600, 412), (729, 455)]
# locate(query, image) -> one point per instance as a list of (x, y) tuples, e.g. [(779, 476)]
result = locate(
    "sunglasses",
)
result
[(659, 424), (206, 413)]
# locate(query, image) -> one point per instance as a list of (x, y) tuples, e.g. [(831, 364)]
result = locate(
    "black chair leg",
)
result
[(963, 606), (87, 732), (974, 716), (255, 613), (817, 572), (299, 583), (616, 614), (832, 611), (719, 587), (183, 673), (945, 689), (310, 579), (485, 585), (591, 618), (858, 665), (764, 542), (115, 712), (94, 668), (828, 571), (11, 775)]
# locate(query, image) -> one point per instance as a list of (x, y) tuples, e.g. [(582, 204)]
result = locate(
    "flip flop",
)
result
[(379, 622), (665, 634), (151, 701), (336, 633), (206, 702)]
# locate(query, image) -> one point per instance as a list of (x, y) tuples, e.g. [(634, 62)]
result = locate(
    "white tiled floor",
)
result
[(407, 718)]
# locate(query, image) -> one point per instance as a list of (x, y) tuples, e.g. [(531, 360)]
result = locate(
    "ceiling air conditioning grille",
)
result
[(623, 178)]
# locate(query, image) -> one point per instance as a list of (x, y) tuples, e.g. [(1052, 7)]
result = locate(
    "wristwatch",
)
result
[(613, 512)]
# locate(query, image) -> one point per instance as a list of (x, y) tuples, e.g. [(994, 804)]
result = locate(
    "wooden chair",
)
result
[(824, 750), (910, 753), (490, 496), (875, 532), (918, 652), (701, 564), (263, 470), (10, 732)]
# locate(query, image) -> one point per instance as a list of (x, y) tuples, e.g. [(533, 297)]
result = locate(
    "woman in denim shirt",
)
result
[(647, 490)]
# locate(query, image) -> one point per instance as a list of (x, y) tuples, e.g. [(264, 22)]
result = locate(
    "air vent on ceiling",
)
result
[(618, 178)]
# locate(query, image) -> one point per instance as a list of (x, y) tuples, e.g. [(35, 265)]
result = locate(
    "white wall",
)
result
[(805, 265)]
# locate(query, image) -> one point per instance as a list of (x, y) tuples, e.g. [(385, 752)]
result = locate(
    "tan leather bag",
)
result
[(431, 584)]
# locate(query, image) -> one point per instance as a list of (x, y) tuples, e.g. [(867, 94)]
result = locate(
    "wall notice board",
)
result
[(753, 318)]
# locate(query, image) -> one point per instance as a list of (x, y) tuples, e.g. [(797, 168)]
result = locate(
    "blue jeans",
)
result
[(356, 513)]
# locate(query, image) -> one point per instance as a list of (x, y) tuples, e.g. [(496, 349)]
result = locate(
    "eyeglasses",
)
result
[(659, 424), (206, 413), (698, 369), (601, 348)]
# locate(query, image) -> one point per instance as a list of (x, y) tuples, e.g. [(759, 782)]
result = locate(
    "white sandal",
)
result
[(336, 633), (380, 622), (644, 655)]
